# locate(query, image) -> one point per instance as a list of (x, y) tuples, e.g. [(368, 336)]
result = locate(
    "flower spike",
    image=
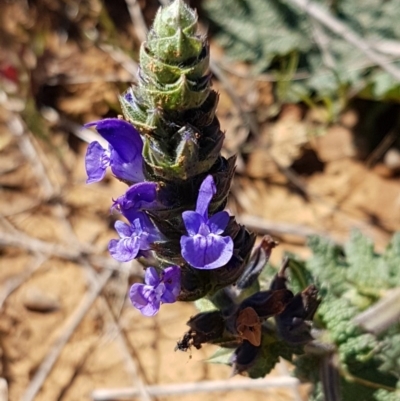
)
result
[(167, 149)]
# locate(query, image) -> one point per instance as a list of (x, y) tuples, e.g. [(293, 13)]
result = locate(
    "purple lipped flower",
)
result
[(134, 238), (124, 154), (139, 196), (205, 247), (157, 289)]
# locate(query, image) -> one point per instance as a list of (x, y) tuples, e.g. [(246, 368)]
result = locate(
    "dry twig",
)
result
[(339, 28), (289, 173), (3, 389), (199, 387), (137, 19), (121, 58), (18, 128), (34, 245), (130, 363), (262, 226), (66, 332), (16, 281), (384, 145)]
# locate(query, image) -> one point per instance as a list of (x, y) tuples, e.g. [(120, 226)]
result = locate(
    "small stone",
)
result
[(392, 159), (336, 144), (37, 300), (3, 389), (383, 171)]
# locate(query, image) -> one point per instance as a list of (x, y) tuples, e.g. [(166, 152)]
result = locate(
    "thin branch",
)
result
[(300, 75), (139, 24), (3, 389), (66, 332), (18, 128), (192, 388), (323, 43), (14, 282), (66, 79), (94, 282), (121, 58), (130, 363), (288, 172), (339, 28), (252, 124), (383, 146), (382, 315), (263, 226), (389, 47), (330, 377), (284, 371), (34, 245)]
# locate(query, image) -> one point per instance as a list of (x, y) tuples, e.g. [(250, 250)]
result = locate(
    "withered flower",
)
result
[(242, 327)]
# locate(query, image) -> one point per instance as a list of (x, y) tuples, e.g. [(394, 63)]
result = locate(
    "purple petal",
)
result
[(208, 252), (147, 229), (122, 136), (139, 196), (124, 249), (151, 277), (192, 221), (171, 277), (128, 95), (142, 194), (218, 222), (146, 298), (96, 162), (168, 297), (141, 234), (126, 154), (135, 295), (131, 171), (206, 192), (123, 229)]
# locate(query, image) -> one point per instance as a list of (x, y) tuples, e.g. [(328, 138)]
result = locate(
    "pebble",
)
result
[(392, 159), (37, 300), (3, 389)]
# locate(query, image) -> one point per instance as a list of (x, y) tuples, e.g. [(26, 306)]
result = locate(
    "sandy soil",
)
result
[(60, 291)]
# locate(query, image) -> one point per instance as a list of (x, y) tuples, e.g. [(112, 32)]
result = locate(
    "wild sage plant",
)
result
[(167, 149)]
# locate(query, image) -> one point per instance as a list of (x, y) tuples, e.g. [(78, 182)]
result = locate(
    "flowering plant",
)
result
[(167, 149)]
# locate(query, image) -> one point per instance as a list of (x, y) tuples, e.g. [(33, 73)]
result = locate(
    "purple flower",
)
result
[(156, 290), (124, 154), (205, 247), (134, 237), (138, 197)]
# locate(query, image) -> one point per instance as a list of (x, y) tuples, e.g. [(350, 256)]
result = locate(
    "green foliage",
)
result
[(352, 279), (275, 35), (384, 395), (271, 350), (390, 352), (392, 260), (221, 356)]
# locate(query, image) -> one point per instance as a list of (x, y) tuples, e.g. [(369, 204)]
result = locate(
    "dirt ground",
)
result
[(66, 328)]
